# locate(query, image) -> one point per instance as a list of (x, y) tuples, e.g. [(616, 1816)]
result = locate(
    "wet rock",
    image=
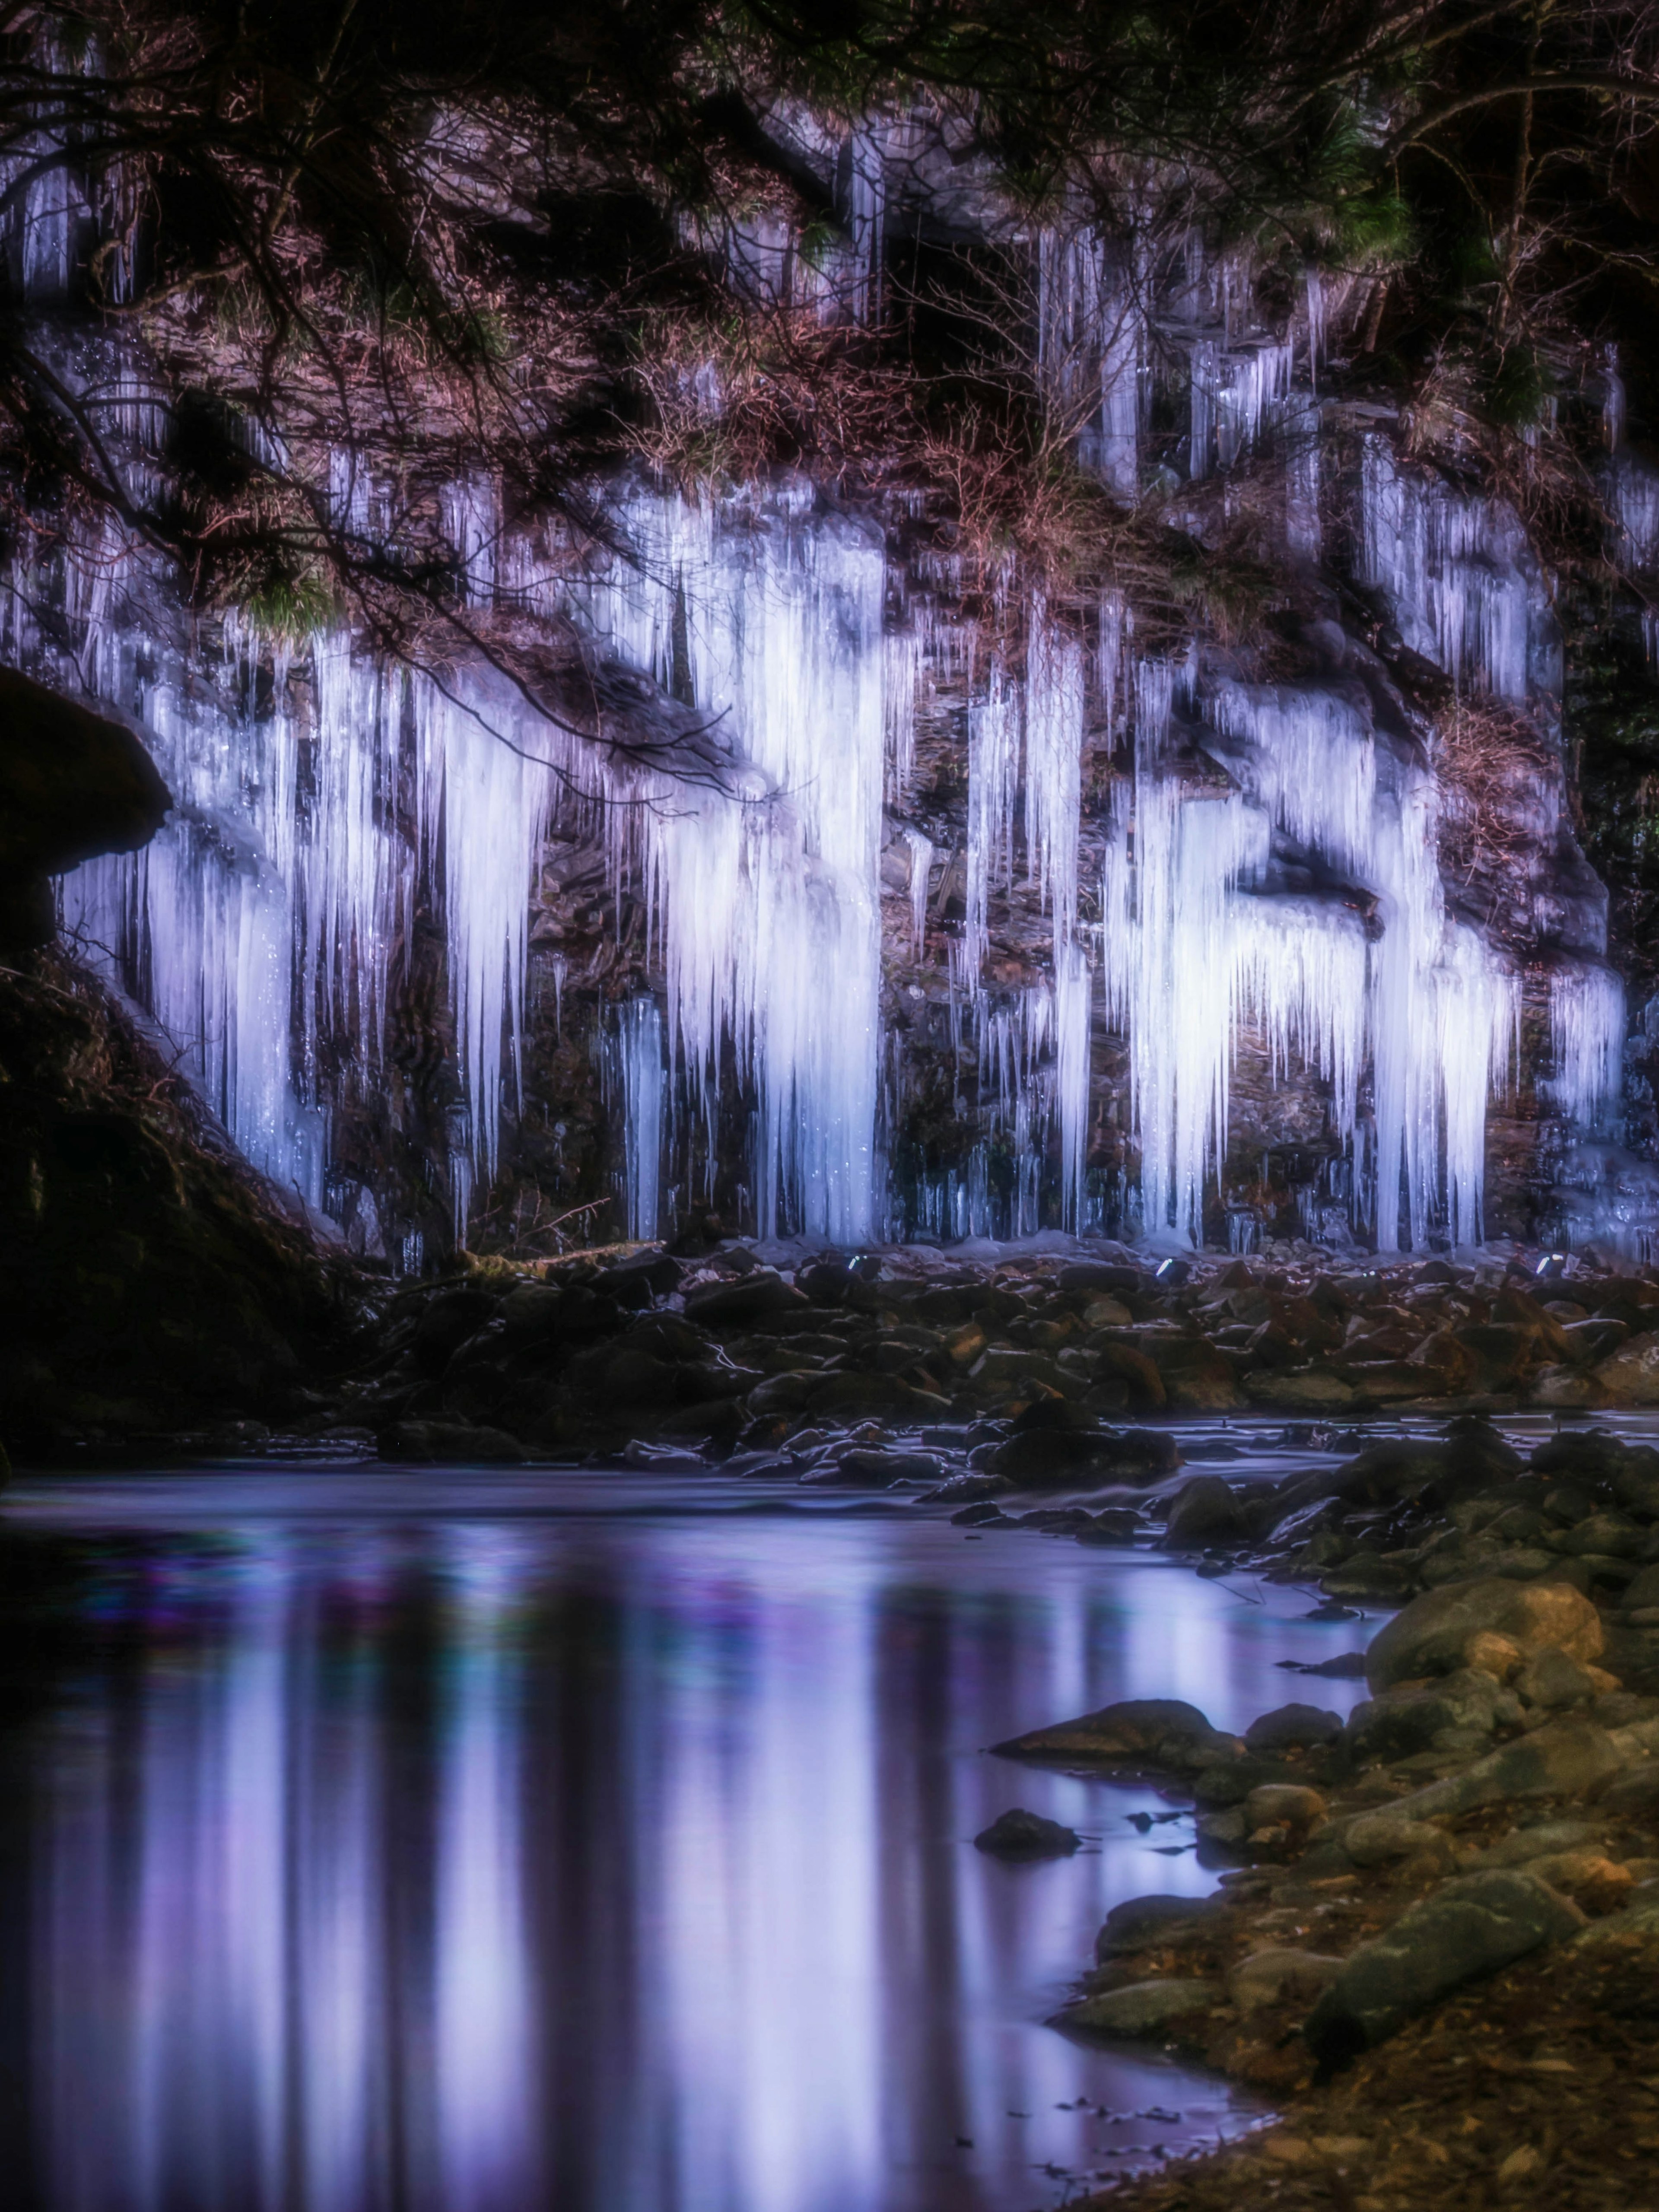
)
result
[(1147, 1732), (1563, 1758), (1143, 1923), (1642, 1591), (1314, 1388), (1279, 1977), (1543, 1839), (986, 1515), (73, 784), (754, 1299), (1603, 1535), (973, 1488), (450, 1443), (446, 1324), (1551, 1682), (875, 1469), (853, 1395), (1116, 1525), (825, 1283), (1099, 1275), (1432, 1634), (1457, 1713), (654, 1273), (1063, 1459), (1632, 1371), (787, 1393), (713, 1420), (1144, 2009), (1470, 1927), (1292, 1728), (1378, 1838), (1021, 1835), (1196, 1376), (1230, 1779), (1284, 1804), (1204, 1511)]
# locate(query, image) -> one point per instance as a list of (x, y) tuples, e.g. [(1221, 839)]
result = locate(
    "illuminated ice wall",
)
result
[(1212, 860)]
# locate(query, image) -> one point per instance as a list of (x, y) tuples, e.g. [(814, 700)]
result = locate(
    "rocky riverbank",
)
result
[(725, 1347), (1435, 1937)]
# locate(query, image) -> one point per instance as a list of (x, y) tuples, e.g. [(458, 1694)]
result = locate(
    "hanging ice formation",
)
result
[(1270, 876), (1200, 941), (1463, 583), (764, 878)]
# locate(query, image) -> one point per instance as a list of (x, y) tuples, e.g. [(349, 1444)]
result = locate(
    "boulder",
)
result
[(1021, 1835), (1312, 1388), (1196, 1378), (1143, 2008), (1140, 1923), (1142, 1732), (1376, 1838), (1070, 1458), (1433, 1635), (1204, 1511), (749, 1303), (1458, 1712), (450, 1443), (1282, 1805), (1552, 1681), (1632, 1373), (787, 1393), (1292, 1728), (1563, 1758), (1280, 1977), (1469, 1927), (445, 1325), (73, 784)]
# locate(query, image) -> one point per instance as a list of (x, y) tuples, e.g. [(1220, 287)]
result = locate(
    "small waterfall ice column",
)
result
[(1197, 943), (638, 1089), (1233, 394), (1461, 579), (269, 915), (1041, 1066), (1090, 344), (764, 880)]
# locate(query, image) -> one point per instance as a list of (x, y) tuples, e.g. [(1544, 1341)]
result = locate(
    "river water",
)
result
[(569, 1842)]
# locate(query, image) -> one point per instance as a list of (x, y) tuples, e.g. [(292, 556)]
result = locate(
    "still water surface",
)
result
[(563, 1844)]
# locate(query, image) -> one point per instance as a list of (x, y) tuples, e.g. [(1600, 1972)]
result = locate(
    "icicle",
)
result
[(640, 1047), (764, 876), (1196, 942), (992, 733), (1586, 1036), (1459, 573), (1614, 407), (1053, 749), (1304, 536), (1635, 503), (1072, 1078), (1314, 306), (1108, 662), (921, 862), (1203, 399)]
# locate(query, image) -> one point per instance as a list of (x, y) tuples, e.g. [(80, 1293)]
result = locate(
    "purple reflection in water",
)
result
[(588, 1860)]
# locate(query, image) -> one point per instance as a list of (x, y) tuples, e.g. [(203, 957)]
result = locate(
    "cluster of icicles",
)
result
[(268, 922), (271, 914)]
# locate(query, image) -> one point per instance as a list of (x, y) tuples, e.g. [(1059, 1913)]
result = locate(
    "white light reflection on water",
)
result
[(594, 1861)]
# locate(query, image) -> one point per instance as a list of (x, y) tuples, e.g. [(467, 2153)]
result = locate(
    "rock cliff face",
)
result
[(1206, 865)]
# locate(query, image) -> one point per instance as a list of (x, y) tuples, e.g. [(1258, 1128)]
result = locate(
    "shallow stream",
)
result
[(603, 1843)]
